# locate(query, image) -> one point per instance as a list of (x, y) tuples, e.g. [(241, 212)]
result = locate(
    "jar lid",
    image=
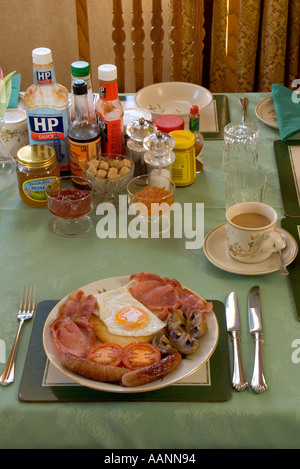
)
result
[(169, 122), (183, 139), (80, 69), (42, 56), (36, 156), (79, 87), (107, 72), (139, 129)]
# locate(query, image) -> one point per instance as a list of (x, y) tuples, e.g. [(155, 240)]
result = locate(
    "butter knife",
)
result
[(239, 380), (258, 382)]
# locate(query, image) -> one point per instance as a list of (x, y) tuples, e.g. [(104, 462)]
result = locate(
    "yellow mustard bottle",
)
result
[(184, 166)]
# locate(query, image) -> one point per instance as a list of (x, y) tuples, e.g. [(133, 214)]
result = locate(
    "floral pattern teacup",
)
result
[(252, 244), (14, 133)]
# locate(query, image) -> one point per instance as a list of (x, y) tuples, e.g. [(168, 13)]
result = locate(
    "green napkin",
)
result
[(15, 91), (287, 107)]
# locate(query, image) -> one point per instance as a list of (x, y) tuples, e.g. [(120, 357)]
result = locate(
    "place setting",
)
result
[(201, 375), (249, 242)]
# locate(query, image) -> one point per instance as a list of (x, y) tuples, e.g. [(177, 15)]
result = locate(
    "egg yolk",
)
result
[(131, 317)]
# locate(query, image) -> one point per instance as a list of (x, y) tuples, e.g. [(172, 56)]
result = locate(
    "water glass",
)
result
[(240, 148), (244, 185)]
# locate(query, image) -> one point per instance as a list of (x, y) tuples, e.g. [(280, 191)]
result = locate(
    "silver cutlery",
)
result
[(26, 311), (283, 268), (258, 381), (244, 103), (239, 380)]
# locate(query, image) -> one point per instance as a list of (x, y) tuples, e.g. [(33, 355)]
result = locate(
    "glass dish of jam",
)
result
[(70, 199)]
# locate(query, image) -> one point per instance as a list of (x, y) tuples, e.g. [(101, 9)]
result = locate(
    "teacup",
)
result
[(14, 133), (251, 233)]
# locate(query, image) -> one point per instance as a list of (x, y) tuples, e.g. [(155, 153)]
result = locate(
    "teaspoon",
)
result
[(244, 102), (283, 268)]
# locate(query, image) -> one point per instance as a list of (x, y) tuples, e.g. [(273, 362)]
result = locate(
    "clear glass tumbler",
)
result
[(240, 149), (244, 185)]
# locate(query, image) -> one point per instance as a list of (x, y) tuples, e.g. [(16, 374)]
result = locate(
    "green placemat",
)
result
[(292, 225), (32, 389), (222, 110), (287, 177)]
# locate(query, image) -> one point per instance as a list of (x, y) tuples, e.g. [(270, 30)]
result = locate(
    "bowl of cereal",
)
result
[(110, 174)]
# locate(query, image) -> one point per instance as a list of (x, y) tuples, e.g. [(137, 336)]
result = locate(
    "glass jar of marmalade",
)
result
[(37, 165)]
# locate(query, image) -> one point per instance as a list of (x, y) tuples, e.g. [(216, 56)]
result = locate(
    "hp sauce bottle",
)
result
[(47, 108)]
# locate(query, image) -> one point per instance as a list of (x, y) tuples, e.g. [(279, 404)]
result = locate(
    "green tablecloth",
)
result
[(30, 253)]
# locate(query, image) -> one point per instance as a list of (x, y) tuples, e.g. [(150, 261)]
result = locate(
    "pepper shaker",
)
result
[(137, 131)]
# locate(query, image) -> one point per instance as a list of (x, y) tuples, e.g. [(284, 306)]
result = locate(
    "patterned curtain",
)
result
[(254, 43)]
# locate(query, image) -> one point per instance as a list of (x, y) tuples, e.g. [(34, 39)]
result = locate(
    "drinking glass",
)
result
[(240, 149), (244, 185)]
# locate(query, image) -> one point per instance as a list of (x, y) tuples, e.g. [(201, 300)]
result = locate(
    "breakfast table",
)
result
[(36, 414)]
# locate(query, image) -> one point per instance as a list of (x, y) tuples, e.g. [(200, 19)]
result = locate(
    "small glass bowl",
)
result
[(107, 174), (152, 197), (70, 199)]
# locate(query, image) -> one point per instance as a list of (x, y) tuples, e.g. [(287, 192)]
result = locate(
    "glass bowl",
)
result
[(70, 199), (110, 174), (152, 197)]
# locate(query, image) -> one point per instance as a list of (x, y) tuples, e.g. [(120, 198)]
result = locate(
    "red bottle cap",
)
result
[(169, 122), (194, 109)]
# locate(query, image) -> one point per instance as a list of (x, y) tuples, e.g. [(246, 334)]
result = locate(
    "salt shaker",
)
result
[(138, 130), (159, 155)]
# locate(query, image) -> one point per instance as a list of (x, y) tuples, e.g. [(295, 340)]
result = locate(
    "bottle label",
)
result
[(44, 77), (80, 152), (112, 141), (34, 189), (184, 168), (194, 124), (49, 126), (108, 91)]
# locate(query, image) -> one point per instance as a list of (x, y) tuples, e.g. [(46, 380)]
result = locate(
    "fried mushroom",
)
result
[(184, 342), (196, 324), (162, 342)]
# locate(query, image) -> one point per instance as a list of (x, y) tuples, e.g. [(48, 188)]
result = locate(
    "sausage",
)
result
[(92, 370), (151, 373)]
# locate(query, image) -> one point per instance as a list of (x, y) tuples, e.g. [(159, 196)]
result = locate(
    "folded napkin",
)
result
[(287, 107), (15, 91)]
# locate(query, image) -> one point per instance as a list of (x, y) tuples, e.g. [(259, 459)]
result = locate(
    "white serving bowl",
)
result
[(172, 98)]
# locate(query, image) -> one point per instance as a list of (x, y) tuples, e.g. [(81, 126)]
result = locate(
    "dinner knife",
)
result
[(239, 380), (258, 381)]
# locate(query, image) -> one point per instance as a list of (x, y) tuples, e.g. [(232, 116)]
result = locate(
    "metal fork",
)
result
[(26, 311)]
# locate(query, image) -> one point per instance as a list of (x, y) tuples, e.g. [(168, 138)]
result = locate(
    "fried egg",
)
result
[(124, 315)]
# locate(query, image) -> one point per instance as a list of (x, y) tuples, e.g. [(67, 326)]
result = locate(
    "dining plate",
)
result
[(215, 249), (185, 368), (265, 111), (172, 98)]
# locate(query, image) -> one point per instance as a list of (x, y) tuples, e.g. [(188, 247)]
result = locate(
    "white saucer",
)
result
[(215, 249), (265, 111)]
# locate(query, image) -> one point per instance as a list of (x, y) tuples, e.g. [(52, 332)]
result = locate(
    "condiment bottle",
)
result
[(37, 165), (84, 133), (137, 131), (47, 108), (184, 166), (194, 126), (168, 122), (109, 110), (80, 70), (159, 156)]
